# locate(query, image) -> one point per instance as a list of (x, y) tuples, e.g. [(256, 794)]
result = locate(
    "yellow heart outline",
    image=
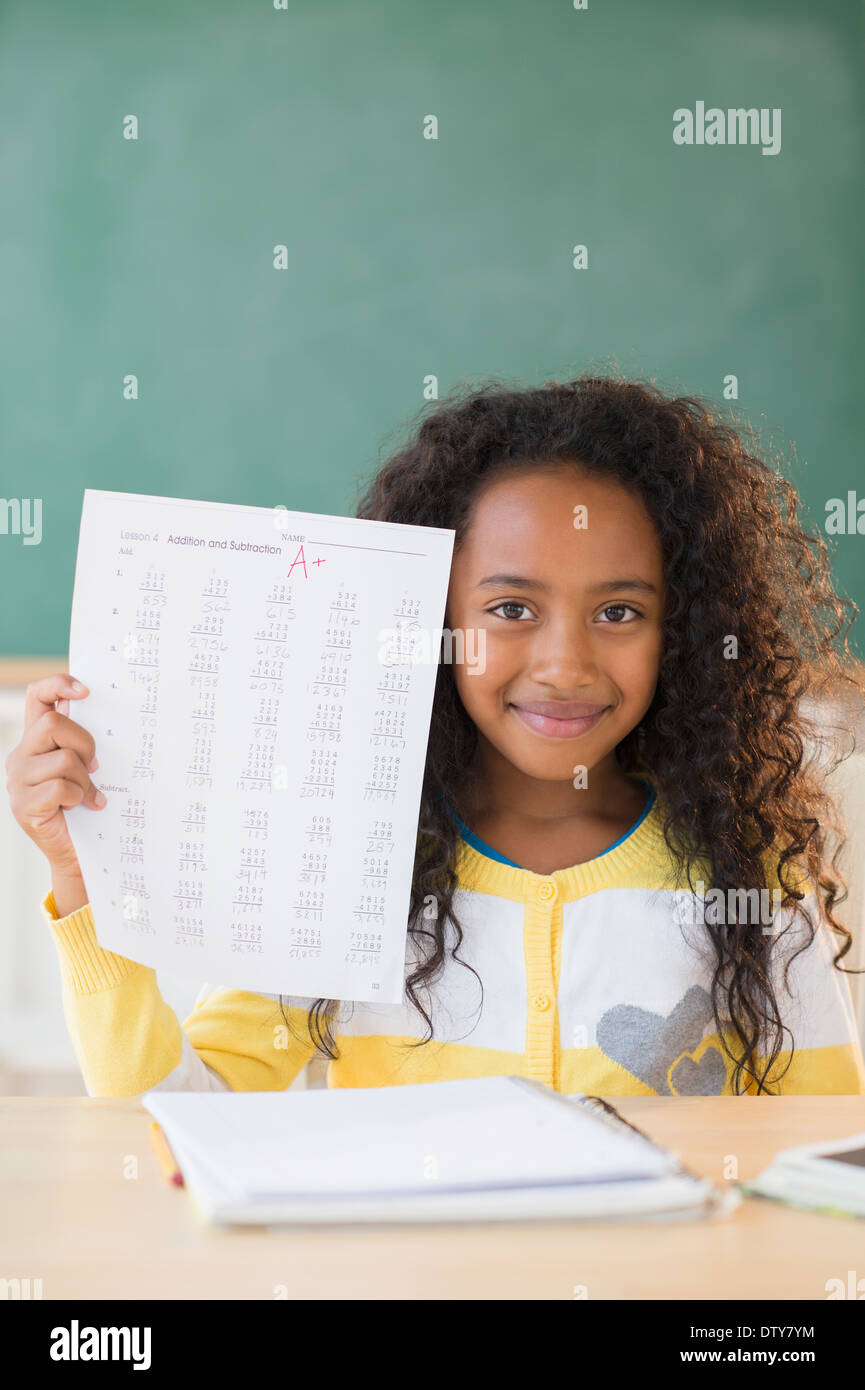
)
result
[(696, 1057)]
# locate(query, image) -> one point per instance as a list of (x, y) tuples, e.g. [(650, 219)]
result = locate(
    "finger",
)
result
[(54, 730), (42, 695), (61, 763), (41, 801)]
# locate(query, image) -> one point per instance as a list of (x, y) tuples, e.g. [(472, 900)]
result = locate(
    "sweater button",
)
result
[(546, 891), (541, 1001)]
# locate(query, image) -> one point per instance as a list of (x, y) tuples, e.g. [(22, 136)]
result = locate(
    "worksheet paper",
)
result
[(261, 684)]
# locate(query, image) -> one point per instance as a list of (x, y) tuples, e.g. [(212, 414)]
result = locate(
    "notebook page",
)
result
[(480, 1132), (261, 687)]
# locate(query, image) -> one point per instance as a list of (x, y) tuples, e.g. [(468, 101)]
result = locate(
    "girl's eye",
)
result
[(620, 607), (509, 604)]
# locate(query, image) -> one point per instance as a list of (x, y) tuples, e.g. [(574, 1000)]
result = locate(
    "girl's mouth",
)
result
[(558, 728)]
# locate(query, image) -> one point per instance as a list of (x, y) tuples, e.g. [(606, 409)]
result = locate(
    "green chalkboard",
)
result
[(407, 257)]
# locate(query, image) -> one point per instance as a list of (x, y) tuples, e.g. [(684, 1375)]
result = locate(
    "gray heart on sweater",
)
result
[(647, 1045), (703, 1078)]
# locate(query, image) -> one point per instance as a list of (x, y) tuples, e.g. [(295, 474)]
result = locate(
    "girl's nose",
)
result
[(563, 654)]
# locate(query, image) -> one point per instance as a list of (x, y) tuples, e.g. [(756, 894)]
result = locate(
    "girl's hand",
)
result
[(50, 768)]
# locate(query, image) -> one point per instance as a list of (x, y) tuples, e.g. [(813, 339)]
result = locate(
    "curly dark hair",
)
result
[(723, 741)]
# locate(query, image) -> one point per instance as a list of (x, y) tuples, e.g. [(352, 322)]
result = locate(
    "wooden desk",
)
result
[(71, 1218)]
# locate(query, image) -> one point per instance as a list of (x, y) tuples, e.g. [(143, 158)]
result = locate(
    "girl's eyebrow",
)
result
[(520, 581)]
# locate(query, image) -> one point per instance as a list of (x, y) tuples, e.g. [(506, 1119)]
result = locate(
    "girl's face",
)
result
[(567, 621)]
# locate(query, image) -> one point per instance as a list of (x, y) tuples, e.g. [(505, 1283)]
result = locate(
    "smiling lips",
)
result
[(558, 719)]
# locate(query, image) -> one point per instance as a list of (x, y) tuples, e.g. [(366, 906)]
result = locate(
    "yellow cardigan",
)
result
[(594, 979)]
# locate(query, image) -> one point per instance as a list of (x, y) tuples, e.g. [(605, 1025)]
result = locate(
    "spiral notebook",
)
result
[(480, 1149)]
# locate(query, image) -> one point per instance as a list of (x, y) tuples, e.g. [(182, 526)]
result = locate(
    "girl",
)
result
[(614, 793)]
